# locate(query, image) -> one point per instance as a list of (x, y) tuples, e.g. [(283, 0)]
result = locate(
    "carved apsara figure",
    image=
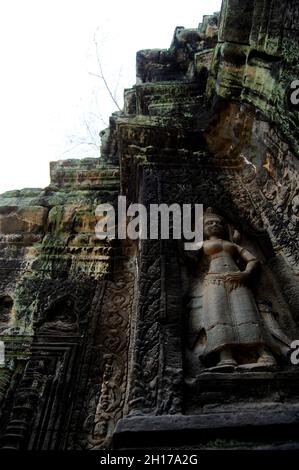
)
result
[(231, 325)]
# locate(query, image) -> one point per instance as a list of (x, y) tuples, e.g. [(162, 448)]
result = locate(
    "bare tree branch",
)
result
[(117, 83), (102, 76), (94, 121), (92, 144)]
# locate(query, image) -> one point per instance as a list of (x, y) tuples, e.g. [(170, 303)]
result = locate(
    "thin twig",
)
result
[(102, 76), (117, 83)]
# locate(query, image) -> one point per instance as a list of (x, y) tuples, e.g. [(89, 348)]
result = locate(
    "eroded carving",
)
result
[(230, 330)]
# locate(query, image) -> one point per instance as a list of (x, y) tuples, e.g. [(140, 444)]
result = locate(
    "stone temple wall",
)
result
[(102, 341)]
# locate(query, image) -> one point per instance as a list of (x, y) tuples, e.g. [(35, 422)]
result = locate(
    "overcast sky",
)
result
[(51, 104)]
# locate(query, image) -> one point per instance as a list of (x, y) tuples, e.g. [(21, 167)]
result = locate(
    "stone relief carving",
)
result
[(62, 306), (61, 315), (105, 407), (31, 389), (227, 328)]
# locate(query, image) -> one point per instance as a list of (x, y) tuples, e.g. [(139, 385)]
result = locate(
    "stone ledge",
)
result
[(259, 426)]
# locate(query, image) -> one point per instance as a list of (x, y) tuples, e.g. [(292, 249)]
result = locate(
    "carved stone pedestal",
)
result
[(227, 411), (258, 429), (242, 391)]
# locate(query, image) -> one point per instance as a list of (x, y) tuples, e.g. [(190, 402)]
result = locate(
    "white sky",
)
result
[(51, 107)]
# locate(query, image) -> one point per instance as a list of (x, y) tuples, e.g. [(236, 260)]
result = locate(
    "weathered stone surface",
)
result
[(259, 429), (256, 59), (21, 220)]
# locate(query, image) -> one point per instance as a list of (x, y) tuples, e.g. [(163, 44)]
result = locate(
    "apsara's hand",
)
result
[(241, 277)]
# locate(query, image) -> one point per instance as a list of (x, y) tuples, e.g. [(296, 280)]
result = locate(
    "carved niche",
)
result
[(237, 317), (6, 306)]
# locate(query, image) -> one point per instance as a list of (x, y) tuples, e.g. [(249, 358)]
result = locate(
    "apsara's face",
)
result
[(214, 227)]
